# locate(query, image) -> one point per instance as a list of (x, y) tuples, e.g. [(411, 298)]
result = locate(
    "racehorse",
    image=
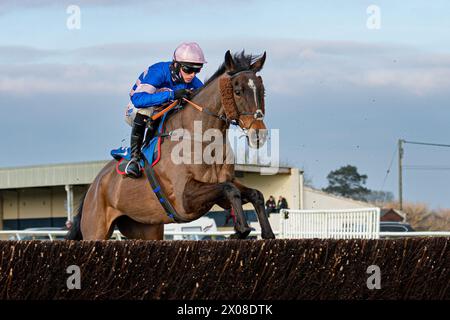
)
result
[(234, 94)]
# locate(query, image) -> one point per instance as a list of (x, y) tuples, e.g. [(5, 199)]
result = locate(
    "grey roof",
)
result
[(361, 203), (71, 174)]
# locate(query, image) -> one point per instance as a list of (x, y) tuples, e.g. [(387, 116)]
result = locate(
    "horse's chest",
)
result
[(215, 174)]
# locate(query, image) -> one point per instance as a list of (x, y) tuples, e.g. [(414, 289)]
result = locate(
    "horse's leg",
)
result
[(97, 219), (136, 230), (200, 196), (256, 198), (98, 225)]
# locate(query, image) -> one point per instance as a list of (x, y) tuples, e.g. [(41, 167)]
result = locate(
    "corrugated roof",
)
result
[(71, 174), (50, 175)]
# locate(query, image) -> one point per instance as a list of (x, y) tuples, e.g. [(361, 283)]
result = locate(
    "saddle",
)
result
[(151, 153), (151, 150)]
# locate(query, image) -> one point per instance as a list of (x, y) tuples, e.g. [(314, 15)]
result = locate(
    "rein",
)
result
[(232, 115), (207, 111)]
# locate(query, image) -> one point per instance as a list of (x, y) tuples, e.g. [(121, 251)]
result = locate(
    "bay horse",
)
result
[(233, 93)]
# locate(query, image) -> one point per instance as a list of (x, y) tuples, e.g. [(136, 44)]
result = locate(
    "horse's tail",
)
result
[(75, 231)]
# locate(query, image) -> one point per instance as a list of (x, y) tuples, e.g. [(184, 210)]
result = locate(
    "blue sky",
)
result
[(339, 92)]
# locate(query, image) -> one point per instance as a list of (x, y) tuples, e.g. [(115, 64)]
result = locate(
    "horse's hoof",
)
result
[(234, 236), (268, 235), (241, 234)]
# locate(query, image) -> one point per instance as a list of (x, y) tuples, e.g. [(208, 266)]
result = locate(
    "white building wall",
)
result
[(317, 200)]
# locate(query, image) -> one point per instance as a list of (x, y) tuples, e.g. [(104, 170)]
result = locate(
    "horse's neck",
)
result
[(208, 98), (189, 119)]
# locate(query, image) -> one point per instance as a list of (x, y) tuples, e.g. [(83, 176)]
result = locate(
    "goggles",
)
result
[(190, 69)]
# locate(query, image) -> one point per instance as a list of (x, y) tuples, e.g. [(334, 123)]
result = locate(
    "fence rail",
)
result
[(53, 234), (361, 223), (416, 234)]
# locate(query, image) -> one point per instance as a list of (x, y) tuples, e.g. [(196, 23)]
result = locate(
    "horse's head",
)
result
[(242, 93)]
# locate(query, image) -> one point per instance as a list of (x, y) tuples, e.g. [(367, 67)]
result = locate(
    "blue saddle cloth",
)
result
[(150, 150)]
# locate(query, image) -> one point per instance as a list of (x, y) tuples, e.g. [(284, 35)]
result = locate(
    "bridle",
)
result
[(232, 115)]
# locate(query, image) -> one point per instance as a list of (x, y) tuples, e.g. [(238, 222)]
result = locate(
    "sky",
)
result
[(339, 91)]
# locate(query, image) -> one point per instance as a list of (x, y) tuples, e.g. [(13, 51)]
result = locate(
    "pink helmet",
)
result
[(189, 52)]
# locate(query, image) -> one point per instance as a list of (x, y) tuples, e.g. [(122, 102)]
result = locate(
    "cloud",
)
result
[(59, 79), (283, 51), (156, 5), (9, 5), (297, 67), (293, 67), (419, 81), (26, 54)]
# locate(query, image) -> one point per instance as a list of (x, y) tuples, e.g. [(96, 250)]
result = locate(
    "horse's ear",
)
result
[(258, 64), (229, 63)]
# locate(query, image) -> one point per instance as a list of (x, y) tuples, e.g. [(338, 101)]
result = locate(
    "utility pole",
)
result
[(400, 173), (401, 142)]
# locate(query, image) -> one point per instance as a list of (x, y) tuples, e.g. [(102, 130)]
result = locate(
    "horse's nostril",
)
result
[(259, 115)]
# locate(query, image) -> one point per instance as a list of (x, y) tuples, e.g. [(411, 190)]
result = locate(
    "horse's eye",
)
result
[(237, 92)]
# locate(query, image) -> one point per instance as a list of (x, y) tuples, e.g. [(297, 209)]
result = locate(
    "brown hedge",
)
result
[(275, 269)]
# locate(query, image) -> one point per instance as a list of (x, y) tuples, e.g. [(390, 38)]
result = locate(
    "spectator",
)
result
[(68, 224), (282, 204), (270, 206), (230, 216)]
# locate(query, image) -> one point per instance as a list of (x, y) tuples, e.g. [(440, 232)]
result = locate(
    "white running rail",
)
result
[(53, 235), (415, 234), (361, 223)]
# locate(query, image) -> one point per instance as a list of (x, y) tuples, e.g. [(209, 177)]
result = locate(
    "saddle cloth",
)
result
[(151, 151)]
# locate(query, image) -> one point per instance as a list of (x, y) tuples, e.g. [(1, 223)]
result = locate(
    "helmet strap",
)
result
[(175, 71)]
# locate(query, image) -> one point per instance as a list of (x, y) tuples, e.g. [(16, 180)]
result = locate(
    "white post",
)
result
[(296, 202), (1, 211), (301, 193), (69, 207)]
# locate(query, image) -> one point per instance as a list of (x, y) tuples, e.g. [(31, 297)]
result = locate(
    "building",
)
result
[(389, 214), (48, 195), (314, 199)]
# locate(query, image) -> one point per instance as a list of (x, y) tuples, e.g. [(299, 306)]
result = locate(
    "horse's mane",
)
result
[(241, 61)]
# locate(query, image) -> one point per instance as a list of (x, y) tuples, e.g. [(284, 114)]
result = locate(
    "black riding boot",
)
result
[(152, 126), (133, 169)]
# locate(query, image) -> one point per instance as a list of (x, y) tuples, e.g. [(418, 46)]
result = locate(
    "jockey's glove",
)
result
[(182, 93)]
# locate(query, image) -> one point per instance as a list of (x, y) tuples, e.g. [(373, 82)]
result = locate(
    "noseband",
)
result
[(229, 104), (232, 114)]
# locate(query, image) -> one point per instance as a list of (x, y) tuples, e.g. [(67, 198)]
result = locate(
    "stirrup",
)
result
[(130, 173)]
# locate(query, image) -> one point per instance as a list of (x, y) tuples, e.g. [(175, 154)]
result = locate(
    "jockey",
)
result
[(160, 83)]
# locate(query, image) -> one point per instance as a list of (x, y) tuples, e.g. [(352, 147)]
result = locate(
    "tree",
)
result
[(347, 182), (307, 179), (379, 196)]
